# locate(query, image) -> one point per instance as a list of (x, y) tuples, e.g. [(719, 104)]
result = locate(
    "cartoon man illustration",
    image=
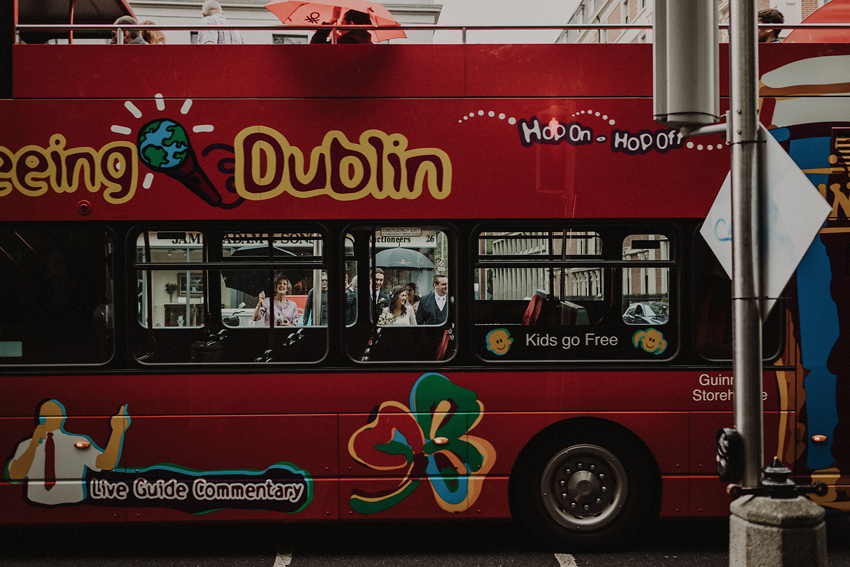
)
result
[(54, 462)]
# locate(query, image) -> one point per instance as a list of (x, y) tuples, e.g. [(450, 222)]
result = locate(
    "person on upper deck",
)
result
[(213, 16), (153, 37), (770, 16), (351, 18), (128, 36)]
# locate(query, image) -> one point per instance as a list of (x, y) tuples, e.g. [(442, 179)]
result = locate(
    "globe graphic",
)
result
[(163, 144)]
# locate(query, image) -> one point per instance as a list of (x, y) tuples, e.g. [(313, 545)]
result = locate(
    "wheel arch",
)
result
[(592, 426), (590, 430)]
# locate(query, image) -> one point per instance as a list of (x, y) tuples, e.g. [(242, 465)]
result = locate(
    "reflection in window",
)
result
[(170, 297), (646, 295), (56, 294), (555, 273)]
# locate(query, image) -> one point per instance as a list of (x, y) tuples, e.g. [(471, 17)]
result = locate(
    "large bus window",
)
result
[(539, 278), (404, 297), (646, 295), (231, 296), (56, 294), (550, 295)]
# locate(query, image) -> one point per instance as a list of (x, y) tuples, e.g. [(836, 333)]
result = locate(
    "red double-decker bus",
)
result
[(189, 255)]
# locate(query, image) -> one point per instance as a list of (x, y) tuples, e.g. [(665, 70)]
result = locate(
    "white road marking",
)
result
[(565, 560), (283, 559)]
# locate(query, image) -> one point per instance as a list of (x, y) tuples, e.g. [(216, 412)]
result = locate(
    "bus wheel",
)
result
[(587, 491)]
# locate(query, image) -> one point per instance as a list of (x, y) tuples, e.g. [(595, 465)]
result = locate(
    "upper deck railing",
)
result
[(459, 34), (11, 31)]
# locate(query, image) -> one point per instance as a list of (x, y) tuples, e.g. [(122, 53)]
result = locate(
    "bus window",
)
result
[(242, 282), (712, 305), (646, 287), (209, 296), (550, 295), (175, 295), (390, 322), (538, 278), (56, 294)]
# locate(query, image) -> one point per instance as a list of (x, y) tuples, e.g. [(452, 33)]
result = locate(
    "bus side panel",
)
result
[(707, 494), (252, 448), (233, 466), (430, 461), (674, 496), (664, 433), (322, 507), (33, 500), (704, 427)]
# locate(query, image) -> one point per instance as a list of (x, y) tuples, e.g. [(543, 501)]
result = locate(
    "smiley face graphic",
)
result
[(499, 341), (651, 340)]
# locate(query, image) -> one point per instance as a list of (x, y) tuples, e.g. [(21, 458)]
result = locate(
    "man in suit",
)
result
[(378, 298), (434, 307)]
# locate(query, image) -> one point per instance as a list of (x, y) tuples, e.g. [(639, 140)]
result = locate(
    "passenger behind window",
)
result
[(434, 307), (351, 301), (413, 296), (378, 299), (310, 308), (285, 310), (398, 312)]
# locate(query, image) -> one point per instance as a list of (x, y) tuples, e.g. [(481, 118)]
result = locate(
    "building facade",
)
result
[(641, 12)]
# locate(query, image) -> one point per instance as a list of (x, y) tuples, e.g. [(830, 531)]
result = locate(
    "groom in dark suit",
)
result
[(434, 307), (377, 298)]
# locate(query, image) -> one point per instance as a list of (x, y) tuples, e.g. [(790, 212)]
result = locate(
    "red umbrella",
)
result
[(835, 12), (300, 13)]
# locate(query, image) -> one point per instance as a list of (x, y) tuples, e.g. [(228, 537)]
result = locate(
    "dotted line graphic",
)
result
[(490, 113), (592, 113)]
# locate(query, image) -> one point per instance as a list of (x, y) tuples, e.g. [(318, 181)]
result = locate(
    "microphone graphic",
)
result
[(164, 147)]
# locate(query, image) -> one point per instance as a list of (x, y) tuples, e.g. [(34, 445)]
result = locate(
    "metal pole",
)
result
[(746, 275)]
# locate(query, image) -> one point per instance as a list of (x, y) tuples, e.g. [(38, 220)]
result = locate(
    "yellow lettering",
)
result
[(33, 170), (378, 164)]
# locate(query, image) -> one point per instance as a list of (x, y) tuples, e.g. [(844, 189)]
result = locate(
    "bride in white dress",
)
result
[(399, 310)]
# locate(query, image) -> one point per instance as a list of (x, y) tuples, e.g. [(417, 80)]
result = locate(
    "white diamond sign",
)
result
[(794, 212)]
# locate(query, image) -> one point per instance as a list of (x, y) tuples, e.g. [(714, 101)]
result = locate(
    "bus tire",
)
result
[(585, 488)]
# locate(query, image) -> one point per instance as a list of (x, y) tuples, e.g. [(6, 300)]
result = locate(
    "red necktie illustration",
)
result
[(49, 462)]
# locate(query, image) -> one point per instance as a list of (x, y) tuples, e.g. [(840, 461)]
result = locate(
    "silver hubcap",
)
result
[(584, 487)]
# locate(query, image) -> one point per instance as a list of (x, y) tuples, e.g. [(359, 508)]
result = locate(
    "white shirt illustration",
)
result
[(70, 465)]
